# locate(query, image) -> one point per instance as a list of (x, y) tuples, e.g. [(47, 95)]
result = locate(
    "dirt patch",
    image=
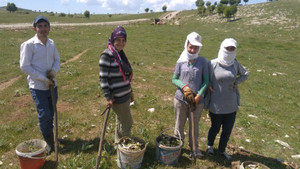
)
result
[(76, 57), (63, 106), (167, 69), (8, 83), (11, 81), (29, 25), (16, 113)]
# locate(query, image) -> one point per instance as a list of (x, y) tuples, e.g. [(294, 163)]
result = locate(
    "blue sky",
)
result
[(106, 6)]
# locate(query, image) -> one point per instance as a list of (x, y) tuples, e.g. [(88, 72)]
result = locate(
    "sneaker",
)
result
[(210, 150), (199, 154), (227, 156), (61, 141)]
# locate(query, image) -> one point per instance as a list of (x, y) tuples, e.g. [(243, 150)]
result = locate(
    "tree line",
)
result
[(227, 8)]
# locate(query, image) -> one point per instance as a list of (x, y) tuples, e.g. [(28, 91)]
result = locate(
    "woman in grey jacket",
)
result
[(225, 74)]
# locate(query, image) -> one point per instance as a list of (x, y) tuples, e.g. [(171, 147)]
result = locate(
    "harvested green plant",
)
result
[(131, 144), (169, 141)]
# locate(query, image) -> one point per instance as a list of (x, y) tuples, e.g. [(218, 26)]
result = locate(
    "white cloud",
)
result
[(134, 6), (90, 2), (65, 2)]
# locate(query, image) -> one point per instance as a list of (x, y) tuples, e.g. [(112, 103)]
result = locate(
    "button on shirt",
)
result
[(191, 75), (36, 59)]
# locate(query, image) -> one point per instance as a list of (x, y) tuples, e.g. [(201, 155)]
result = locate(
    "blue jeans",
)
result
[(43, 103), (218, 120)]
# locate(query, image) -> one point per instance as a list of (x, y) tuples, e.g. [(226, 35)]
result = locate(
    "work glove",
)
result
[(48, 82), (51, 74), (188, 95)]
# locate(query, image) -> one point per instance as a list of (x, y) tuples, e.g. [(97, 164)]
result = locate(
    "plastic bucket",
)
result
[(130, 159), (32, 154), (168, 155), (246, 163)]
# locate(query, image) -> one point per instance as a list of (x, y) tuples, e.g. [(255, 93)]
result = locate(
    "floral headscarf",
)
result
[(124, 65)]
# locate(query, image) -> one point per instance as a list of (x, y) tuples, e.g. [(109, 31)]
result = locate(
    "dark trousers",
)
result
[(218, 120), (43, 103)]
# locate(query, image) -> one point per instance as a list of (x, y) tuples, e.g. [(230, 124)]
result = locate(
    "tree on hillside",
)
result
[(220, 8), (11, 7), (87, 14), (225, 2), (208, 3), (245, 1), (201, 10), (211, 9), (237, 2), (230, 11), (147, 10), (231, 2), (164, 8), (199, 3)]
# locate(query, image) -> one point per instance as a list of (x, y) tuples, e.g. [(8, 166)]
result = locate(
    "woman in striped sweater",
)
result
[(115, 80)]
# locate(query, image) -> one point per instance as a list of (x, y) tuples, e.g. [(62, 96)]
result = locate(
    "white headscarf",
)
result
[(194, 39), (226, 57)]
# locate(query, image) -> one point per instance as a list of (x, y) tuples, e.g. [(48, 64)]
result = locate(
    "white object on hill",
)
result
[(284, 144), (151, 110)]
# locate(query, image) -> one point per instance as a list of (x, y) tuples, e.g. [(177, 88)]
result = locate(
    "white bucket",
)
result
[(130, 159), (246, 163)]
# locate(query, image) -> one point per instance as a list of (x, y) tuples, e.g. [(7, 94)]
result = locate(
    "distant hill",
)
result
[(3, 8)]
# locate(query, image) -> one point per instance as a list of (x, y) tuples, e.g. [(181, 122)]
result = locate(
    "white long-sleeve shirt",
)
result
[(36, 59)]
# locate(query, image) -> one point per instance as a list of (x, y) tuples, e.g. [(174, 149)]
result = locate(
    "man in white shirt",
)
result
[(40, 60)]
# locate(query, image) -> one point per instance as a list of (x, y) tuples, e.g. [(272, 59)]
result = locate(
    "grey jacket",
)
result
[(225, 100)]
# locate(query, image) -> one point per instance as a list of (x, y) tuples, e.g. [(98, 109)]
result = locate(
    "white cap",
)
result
[(194, 38), (229, 42)]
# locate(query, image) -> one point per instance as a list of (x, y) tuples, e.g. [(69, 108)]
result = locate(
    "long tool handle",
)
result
[(53, 98), (102, 137), (193, 137)]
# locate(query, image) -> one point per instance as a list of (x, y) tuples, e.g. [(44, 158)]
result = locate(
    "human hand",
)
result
[(109, 103), (211, 89), (197, 99), (132, 97), (49, 82), (234, 87), (51, 74)]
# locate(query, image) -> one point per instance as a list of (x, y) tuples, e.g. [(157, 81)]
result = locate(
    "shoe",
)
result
[(50, 142), (199, 154), (210, 150), (227, 156), (61, 141)]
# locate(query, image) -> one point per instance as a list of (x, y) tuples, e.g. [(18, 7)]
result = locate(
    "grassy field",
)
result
[(23, 17), (268, 46)]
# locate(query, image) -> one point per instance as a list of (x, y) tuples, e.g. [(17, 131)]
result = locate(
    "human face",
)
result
[(192, 49), (230, 48), (42, 29), (119, 44)]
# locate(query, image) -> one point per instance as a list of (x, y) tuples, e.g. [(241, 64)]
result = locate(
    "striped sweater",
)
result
[(111, 80)]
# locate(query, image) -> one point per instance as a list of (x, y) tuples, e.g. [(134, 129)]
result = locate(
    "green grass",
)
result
[(23, 17), (153, 51)]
